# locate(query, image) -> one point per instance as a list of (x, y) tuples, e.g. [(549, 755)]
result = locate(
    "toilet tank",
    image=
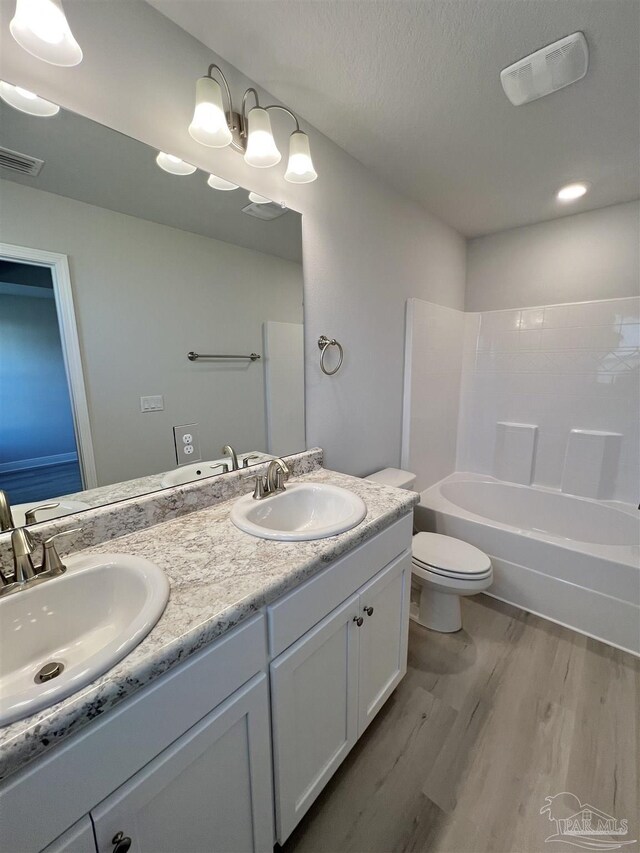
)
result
[(394, 477)]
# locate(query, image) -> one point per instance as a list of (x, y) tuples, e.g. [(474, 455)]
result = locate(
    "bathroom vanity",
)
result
[(222, 727)]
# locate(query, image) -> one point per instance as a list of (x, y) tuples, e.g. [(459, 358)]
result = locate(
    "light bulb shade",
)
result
[(174, 165), (300, 166), (26, 101), (41, 28), (220, 184), (209, 124), (259, 199), (262, 151)]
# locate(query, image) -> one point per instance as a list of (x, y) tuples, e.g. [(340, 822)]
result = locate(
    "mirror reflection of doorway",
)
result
[(38, 447)]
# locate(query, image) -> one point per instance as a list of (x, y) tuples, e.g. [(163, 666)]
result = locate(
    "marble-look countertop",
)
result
[(219, 576)]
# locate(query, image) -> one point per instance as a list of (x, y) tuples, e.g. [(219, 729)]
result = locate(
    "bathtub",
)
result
[(572, 560)]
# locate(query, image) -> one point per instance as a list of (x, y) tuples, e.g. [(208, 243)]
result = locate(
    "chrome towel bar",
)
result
[(324, 343), (194, 356)]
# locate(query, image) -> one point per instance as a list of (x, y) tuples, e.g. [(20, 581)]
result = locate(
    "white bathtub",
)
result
[(572, 560)]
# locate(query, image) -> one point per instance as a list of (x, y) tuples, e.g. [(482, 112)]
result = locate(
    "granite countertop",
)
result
[(219, 576)]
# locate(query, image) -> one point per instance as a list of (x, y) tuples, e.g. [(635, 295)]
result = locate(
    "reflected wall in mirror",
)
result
[(112, 270)]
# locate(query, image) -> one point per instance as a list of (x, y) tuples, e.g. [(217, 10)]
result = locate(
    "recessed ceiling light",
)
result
[(572, 191), (174, 165), (25, 101)]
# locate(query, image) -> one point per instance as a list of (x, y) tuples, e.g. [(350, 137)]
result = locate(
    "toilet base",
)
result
[(439, 611)]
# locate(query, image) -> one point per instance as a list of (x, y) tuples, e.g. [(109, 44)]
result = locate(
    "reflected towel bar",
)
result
[(194, 356)]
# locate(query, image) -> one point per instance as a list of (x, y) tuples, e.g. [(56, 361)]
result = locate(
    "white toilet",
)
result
[(444, 568)]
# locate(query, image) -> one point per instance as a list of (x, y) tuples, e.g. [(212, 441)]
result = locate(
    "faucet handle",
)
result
[(223, 465), (52, 564), (245, 461), (30, 514)]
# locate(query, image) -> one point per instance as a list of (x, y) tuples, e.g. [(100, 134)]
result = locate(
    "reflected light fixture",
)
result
[(174, 165), (259, 199), (571, 192), (220, 184), (41, 28), (249, 131), (25, 101)]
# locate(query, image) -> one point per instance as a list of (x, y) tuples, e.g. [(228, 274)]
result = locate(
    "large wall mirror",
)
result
[(113, 270)]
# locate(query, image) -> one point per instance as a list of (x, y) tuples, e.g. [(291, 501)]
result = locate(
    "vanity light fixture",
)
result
[(174, 165), (571, 192), (42, 29), (249, 131), (25, 101), (218, 183)]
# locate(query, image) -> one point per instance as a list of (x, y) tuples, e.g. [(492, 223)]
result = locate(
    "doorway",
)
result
[(45, 449)]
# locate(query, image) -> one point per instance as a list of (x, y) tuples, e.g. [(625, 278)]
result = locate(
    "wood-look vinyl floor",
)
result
[(485, 725)]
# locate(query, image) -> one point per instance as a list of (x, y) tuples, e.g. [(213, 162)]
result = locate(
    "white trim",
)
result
[(406, 394), (59, 266)]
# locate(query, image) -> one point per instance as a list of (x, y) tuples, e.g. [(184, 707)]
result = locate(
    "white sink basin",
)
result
[(189, 473), (65, 507), (87, 619), (303, 511)]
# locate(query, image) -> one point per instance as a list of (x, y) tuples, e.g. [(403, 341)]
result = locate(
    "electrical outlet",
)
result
[(187, 442), (152, 404)]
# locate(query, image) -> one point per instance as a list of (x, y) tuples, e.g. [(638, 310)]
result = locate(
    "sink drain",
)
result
[(48, 671)]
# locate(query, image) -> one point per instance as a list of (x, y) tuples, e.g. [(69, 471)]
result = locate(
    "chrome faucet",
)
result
[(26, 570), (277, 474), (227, 450), (6, 519)]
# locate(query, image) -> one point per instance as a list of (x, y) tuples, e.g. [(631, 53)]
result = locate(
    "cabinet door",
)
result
[(383, 637), (314, 701), (209, 791), (78, 839)]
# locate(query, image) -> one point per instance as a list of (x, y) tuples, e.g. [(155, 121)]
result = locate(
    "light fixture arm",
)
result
[(214, 67), (284, 110)]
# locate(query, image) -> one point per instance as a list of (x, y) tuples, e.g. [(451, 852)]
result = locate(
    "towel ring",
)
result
[(323, 345)]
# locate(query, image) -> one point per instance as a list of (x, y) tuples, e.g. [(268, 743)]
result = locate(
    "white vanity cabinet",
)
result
[(188, 763), (327, 687), (210, 790)]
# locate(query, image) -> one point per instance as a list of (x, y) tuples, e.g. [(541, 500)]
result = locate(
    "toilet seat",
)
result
[(449, 557), (426, 571)]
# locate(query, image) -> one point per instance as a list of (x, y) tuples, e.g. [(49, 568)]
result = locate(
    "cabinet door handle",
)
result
[(358, 620), (121, 842), (368, 610)]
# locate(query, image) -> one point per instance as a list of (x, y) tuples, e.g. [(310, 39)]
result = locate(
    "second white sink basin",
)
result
[(189, 473), (303, 511), (84, 621)]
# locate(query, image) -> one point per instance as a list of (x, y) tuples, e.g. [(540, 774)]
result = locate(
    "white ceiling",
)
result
[(411, 89)]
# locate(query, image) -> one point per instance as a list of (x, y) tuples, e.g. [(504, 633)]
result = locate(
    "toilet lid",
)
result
[(448, 554)]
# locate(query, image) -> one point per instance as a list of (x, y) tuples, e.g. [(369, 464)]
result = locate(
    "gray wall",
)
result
[(145, 295), (577, 258), (366, 248)]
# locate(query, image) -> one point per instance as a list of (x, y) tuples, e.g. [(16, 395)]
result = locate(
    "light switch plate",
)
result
[(152, 404), (187, 442)]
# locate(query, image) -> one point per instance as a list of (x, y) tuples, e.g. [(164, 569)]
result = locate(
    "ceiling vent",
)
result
[(22, 163), (551, 68), (265, 211)]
